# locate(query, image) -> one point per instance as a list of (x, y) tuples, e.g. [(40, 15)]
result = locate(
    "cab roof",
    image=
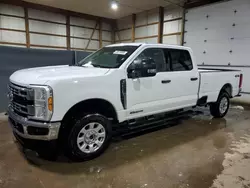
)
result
[(153, 45)]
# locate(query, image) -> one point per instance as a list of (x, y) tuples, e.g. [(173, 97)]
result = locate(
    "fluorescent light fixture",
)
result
[(114, 5)]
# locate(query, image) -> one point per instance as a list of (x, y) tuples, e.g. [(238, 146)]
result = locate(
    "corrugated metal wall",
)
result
[(123, 33), (41, 29), (172, 28), (147, 27)]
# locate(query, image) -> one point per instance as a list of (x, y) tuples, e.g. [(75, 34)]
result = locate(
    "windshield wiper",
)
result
[(100, 66)]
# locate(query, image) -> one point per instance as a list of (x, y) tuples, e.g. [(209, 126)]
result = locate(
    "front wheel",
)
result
[(89, 137), (220, 108)]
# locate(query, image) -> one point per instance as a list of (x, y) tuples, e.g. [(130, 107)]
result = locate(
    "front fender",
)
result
[(68, 94), (64, 102)]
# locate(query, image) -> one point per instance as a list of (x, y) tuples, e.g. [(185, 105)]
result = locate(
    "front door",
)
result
[(144, 94)]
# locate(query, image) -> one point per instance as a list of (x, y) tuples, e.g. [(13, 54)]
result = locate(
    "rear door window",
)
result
[(179, 60)]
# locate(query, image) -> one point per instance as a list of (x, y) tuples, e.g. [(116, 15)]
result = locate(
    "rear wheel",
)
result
[(89, 137), (220, 108)]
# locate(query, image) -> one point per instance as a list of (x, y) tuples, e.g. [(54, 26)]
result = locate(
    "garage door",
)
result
[(219, 35)]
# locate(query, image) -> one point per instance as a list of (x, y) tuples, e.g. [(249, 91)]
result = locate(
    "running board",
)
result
[(150, 122)]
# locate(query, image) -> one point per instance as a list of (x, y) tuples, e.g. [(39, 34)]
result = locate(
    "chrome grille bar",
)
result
[(21, 91), (22, 104), (18, 108)]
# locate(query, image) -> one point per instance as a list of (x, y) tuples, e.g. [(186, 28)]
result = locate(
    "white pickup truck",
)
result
[(76, 106)]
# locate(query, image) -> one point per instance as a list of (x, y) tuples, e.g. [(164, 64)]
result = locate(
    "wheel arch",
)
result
[(227, 88), (95, 105)]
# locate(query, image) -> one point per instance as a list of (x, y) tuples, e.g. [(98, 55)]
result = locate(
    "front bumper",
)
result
[(33, 130)]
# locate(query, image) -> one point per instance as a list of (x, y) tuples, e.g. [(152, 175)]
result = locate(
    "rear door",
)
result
[(181, 81)]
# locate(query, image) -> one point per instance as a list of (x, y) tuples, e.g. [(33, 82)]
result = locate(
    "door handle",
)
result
[(193, 79), (165, 81)]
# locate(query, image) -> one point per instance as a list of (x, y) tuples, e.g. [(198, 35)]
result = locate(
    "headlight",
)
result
[(43, 103)]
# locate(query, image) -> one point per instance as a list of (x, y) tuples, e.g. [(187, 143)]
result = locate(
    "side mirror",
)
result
[(142, 68), (148, 67)]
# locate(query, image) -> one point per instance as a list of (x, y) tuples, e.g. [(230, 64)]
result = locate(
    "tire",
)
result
[(217, 109), (89, 137)]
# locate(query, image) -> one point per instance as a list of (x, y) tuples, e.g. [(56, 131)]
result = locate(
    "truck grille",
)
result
[(21, 100)]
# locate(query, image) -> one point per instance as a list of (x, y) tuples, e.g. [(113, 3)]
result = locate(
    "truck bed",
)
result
[(212, 80), (204, 70)]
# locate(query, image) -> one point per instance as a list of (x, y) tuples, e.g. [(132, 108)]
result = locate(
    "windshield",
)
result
[(108, 57)]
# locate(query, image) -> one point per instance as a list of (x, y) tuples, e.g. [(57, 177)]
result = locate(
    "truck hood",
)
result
[(41, 75)]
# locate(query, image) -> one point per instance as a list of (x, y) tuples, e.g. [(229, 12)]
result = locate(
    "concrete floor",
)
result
[(199, 152)]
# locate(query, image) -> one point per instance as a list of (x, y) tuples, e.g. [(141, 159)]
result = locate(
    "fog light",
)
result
[(37, 131)]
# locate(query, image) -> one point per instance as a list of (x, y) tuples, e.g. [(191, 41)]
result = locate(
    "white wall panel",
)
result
[(141, 32), (169, 27), (83, 22), (12, 36), (146, 31), (172, 13), (148, 40), (125, 34), (82, 43), (240, 51), (172, 27), (147, 17), (152, 29), (12, 23), (125, 22), (95, 34), (44, 27), (93, 45), (106, 43), (153, 15), (172, 39), (11, 10), (47, 40), (78, 43), (241, 31), (38, 14), (141, 18), (106, 35), (106, 26), (212, 34), (116, 36), (83, 32)]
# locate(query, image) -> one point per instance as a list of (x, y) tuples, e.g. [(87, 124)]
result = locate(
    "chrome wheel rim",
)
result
[(91, 137), (223, 105)]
